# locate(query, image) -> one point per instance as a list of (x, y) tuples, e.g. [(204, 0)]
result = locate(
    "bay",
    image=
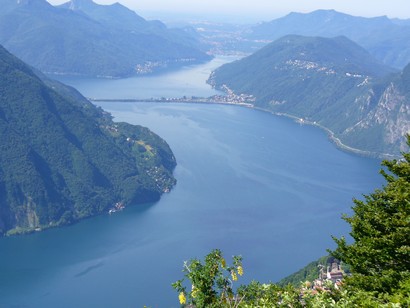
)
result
[(248, 183), (188, 81)]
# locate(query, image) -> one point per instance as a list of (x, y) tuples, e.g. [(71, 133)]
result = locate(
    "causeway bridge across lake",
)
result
[(198, 100)]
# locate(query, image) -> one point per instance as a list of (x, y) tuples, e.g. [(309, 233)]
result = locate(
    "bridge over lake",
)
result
[(199, 100)]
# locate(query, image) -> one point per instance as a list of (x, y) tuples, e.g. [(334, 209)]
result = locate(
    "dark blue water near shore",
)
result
[(248, 183)]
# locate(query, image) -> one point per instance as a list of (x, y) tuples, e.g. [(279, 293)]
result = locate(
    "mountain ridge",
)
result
[(118, 16), (58, 40), (329, 82), (62, 159), (385, 39)]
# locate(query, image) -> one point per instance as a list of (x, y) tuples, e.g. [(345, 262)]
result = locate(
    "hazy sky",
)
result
[(261, 9)]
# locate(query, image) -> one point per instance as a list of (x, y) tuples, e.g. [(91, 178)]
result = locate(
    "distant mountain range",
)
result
[(330, 82), (63, 159), (81, 37), (386, 39), (117, 16)]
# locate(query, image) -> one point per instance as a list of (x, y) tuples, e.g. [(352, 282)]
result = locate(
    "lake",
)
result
[(249, 183), (188, 81)]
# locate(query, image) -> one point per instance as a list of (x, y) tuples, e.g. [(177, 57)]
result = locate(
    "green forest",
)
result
[(330, 82), (92, 40), (63, 159)]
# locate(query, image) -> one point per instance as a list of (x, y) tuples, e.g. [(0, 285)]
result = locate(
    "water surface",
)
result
[(248, 183), (188, 81)]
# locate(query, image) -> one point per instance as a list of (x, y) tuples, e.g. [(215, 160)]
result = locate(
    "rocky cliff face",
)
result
[(390, 118), (332, 83)]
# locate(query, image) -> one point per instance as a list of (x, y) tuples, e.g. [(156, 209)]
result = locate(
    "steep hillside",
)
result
[(308, 273), (329, 82), (387, 40), (68, 40), (383, 128), (117, 16), (63, 159)]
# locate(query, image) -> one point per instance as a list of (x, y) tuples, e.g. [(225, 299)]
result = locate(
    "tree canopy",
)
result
[(380, 254)]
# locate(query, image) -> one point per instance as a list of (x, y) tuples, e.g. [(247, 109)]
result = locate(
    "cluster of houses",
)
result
[(333, 273), (119, 206)]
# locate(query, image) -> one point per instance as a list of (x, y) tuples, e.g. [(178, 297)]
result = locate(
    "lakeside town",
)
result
[(230, 98), (216, 99)]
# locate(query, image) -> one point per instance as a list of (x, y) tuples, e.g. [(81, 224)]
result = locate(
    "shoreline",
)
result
[(331, 135)]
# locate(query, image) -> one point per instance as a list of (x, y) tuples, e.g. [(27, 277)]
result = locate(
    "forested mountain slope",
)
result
[(63, 159), (331, 82), (117, 16), (70, 40), (386, 39)]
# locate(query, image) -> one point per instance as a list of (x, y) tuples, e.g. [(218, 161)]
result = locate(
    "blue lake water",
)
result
[(249, 183), (188, 81)]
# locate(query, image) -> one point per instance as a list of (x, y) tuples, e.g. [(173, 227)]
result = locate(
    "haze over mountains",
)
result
[(332, 82), (84, 38), (63, 159), (387, 40)]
